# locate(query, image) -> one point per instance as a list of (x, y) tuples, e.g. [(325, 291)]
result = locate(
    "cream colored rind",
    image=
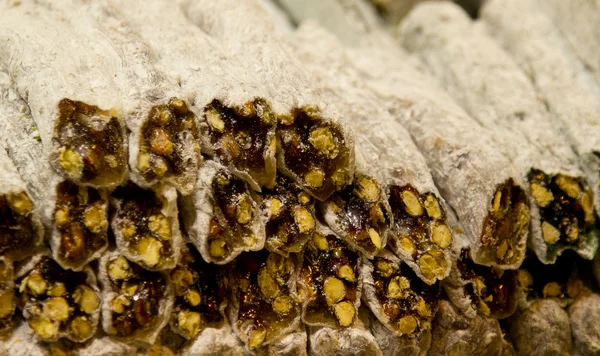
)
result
[(21, 343), (213, 341), (585, 329), (490, 86), (356, 339)]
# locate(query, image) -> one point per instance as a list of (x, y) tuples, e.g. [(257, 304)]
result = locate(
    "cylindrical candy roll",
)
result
[(492, 88), (58, 303), (314, 148), (290, 215), (220, 218), (546, 58), (386, 151), (475, 289), (146, 225), (584, 315), (293, 344), (236, 123), (75, 217), (71, 94), (329, 281), (8, 298), (200, 293), (455, 334), (399, 299), (354, 340), (215, 341), (263, 306), (136, 303), (579, 22), (543, 328)]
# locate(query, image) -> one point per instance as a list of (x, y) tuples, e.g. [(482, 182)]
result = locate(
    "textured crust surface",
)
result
[(585, 328), (546, 58), (28, 51), (215, 341), (355, 340), (490, 86)]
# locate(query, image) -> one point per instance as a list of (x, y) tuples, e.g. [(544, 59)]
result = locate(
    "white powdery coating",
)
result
[(168, 196), (21, 343), (141, 84), (350, 341), (48, 64), (349, 20), (257, 46), (384, 147), (215, 341), (162, 316), (585, 325), (293, 344), (201, 67), (106, 346), (456, 334), (41, 179), (199, 208), (561, 79), (466, 160), (579, 21), (490, 86), (400, 345), (91, 280)]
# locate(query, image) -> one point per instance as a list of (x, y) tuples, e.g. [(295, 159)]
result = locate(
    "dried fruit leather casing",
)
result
[(546, 57), (77, 115), (403, 195), (263, 306), (315, 148), (136, 303), (329, 281), (221, 218), (237, 126), (74, 217), (491, 87), (58, 303), (146, 225), (454, 333)]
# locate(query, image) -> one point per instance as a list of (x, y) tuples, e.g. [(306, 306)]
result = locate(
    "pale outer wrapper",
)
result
[(168, 196), (543, 328), (456, 334), (585, 327), (164, 311), (384, 148), (142, 85), (258, 47), (204, 69), (490, 86), (579, 22), (354, 340), (199, 208), (459, 152), (215, 341), (28, 265), (44, 75), (292, 344), (546, 57), (21, 343)]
